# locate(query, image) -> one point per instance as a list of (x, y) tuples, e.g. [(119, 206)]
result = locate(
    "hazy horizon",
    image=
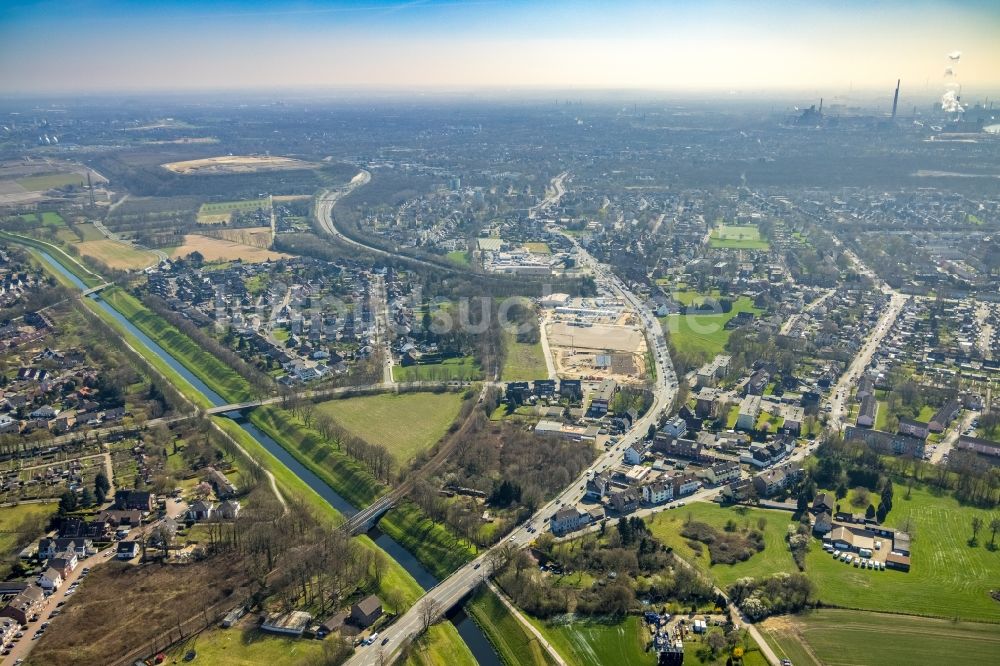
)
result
[(712, 47)]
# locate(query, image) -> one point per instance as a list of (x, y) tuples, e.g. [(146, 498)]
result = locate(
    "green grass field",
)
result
[(451, 369), (515, 645), (440, 646), (775, 557), (523, 362), (338, 470), (405, 423), (537, 248), (217, 375), (737, 237), (704, 333), (947, 578), (13, 519), (247, 646), (460, 257), (222, 211), (117, 255), (593, 643), (90, 232), (832, 637), (48, 181)]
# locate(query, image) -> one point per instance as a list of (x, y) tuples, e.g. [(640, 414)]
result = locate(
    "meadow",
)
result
[(222, 211), (463, 368), (775, 557), (49, 181), (405, 423), (217, 249), (523, 361), (117, 255), (704, 334), (516, 646), (947, 577)]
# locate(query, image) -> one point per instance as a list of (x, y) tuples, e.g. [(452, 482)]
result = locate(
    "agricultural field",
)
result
[(775, 557), (737, 237), (117, 255), (523, 362), (221, 212), (450, 369), (50, 181), (216, 249), (512, 641), (947, 577), (405, 423), (704, 334), (597, 643), (236, 164), (832, 637), (255, 236)]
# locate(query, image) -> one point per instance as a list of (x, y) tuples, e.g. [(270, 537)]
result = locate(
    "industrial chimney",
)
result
[(895, 100)]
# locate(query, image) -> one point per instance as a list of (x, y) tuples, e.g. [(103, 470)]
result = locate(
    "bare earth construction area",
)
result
[(236, 164)]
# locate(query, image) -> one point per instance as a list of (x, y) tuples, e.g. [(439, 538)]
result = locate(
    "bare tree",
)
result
[(429, 611)]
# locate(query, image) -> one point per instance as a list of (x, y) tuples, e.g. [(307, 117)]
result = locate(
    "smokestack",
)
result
[(821, 106), (895, 100)]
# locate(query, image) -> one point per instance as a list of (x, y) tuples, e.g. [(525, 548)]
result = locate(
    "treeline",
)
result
[(261, 385)]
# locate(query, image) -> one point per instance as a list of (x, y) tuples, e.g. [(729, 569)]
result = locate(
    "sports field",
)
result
[(737, 237), (831, 637), (537, 248), (117, 255), (215, 249), (405, 423)]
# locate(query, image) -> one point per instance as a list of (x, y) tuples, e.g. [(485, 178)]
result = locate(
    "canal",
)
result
[(467, 629)]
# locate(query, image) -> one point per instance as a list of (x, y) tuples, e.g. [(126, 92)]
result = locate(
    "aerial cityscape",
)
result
[(509, 334)]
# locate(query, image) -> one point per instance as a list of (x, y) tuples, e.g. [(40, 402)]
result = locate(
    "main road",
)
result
[(451, 590)]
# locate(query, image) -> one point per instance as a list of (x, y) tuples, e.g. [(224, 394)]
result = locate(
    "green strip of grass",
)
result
[(436, 546), (440, 645), (515, 645), (338, 470), (217, 375)]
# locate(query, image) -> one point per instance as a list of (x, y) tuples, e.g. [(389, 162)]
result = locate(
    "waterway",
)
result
[(467, 629)]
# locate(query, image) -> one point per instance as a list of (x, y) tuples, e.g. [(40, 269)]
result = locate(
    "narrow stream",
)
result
[(467, 629)]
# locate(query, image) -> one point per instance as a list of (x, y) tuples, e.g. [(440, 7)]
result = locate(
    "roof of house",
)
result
[(369, 604)]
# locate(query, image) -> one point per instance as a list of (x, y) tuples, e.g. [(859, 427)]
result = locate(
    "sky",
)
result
[(708, 45)]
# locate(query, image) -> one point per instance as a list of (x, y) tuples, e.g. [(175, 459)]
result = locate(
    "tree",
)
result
[(870, 511), (715, 640), (87, 499), (977, 524), (67, 502), (994, 528), (101, 487), (429, 611)]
